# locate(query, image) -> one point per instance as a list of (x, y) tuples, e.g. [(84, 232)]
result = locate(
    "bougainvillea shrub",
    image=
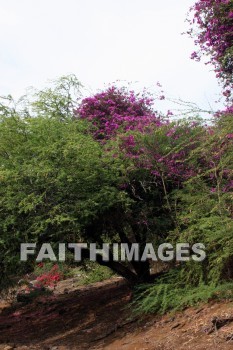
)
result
[(164, 150), (117, 110), (142, 135), (212, 29)]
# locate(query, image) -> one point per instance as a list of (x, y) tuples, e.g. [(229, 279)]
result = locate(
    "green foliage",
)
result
[(94, 273), (203, 212), (54, 180), (204, 205), (57, 101), (170, 293), (171, 182)]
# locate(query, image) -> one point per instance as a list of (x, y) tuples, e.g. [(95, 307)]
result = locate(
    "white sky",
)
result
[(101, 41)]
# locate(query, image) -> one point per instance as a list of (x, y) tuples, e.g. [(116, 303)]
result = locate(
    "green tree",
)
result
[(59, 184)]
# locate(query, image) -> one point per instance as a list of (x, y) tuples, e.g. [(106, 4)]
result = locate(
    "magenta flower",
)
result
[(230, 136)]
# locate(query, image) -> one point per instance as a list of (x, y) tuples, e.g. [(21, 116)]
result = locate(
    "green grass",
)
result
[(94, 273), (170, 295)]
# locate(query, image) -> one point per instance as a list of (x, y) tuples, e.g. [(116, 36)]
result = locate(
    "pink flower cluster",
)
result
[(122, 115), (214, 19), (117, 110), (227, 111), (50, 278), (171, 166)]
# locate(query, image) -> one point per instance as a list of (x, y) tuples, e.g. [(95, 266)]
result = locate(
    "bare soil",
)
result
[(98, 316)]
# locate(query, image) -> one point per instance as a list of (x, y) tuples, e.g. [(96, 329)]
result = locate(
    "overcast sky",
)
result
[(102, 41)]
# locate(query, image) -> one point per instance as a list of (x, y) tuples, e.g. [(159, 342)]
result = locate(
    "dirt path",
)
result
[(96, 317)]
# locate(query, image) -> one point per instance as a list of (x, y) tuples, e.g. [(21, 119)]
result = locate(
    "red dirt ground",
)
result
[(96, 317)]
